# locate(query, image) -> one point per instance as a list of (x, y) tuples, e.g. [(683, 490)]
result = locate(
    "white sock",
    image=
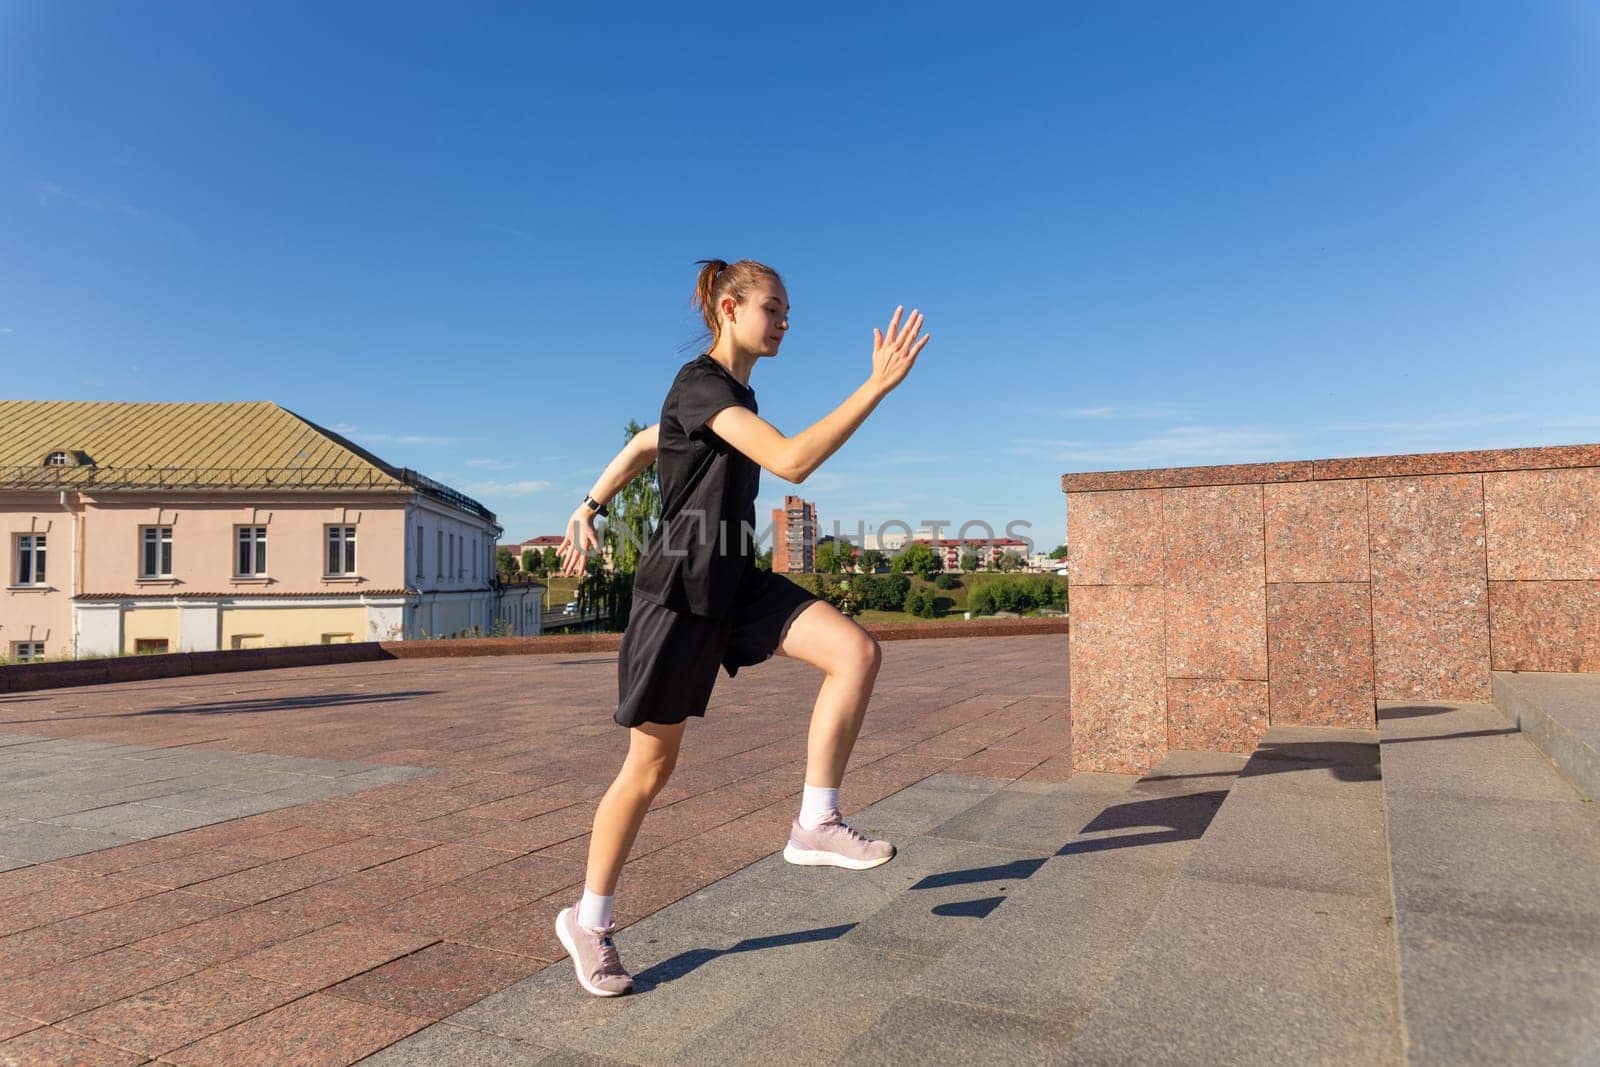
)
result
[(594, 911), (816, 804)]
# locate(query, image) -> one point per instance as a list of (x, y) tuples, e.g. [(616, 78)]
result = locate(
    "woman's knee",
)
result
[(648, 774), (860, 655)]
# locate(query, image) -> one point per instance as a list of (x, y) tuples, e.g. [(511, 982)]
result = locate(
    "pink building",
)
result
[(191, 527)]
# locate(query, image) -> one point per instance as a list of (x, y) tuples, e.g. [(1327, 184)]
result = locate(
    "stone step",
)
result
[(775, 961), (1496, 867), (1560, 713), (1274, 943), (1018, 987)]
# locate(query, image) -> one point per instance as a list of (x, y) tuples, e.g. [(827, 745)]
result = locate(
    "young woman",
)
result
[(700, 602)]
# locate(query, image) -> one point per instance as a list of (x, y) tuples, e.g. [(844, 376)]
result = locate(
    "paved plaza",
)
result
[(312, 865)]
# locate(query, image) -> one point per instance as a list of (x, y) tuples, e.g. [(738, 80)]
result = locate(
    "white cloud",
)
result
[(47, 192), (1174, 446), (506, 488), (378, 438), (7, 329), (494, 464), (1111, 412)]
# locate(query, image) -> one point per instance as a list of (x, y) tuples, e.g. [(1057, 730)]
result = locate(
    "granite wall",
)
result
[(1208, 602)]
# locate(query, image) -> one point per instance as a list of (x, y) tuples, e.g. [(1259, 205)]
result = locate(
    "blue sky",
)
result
[(1144, 234)]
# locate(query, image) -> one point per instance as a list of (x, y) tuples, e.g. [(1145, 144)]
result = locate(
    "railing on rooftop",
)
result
[(37, 478)]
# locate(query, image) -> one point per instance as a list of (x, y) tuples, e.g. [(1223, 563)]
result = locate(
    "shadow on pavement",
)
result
[(684, 962)]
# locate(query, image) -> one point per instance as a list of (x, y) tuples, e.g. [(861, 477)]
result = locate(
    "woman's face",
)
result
[(758, 324)]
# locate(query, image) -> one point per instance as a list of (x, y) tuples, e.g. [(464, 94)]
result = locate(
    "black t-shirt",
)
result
[(696, 558)]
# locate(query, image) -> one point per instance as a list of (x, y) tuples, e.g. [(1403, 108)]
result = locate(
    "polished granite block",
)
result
[(1431, 640), (1430, 617), (1119, 713), (1316, 531), (1426, 528), (1215, 715), (1545, 626), (1215, 607), (1115, 538), (1212, 532), (1319, 654), (1543, 525), (1216, 629)]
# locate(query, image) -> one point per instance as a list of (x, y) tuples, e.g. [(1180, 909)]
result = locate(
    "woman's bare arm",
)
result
[(625, 466), (794, 458)]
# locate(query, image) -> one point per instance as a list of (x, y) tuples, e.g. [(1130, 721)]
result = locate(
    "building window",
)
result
[(341, 550), (422, 539), (149, 646), (474, 559), (251, 561), (155, 559), (27, 651), (57, 459), (438, 555), (30, 559)]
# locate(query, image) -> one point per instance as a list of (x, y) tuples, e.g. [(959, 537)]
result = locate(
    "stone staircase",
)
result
[(1428, 893)]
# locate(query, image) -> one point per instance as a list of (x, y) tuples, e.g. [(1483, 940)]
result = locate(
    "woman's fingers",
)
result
[(892, 332)]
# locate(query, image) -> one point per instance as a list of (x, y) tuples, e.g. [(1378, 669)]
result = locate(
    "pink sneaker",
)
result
[(594, 956), (835, 844)]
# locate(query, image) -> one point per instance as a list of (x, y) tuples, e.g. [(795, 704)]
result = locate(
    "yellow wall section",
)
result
[(292, 626), (143, 624)]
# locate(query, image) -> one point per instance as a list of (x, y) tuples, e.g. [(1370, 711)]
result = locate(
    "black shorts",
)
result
[(668, 660)]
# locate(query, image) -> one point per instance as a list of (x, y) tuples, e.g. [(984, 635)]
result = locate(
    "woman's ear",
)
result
[(729, 305)]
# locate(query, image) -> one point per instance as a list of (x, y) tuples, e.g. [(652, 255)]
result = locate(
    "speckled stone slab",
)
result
[(1543, 525), (1115, 538), (1215, 715), (1119, 708), (1319, 651), (1545, 626), (1215, 601), (1430, 613), (1316, 532)]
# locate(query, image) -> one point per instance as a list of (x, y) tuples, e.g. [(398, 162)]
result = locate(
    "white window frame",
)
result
[(34, 651), (29, 553), (257, 549), (344, 556), (159, 538), (58, 459)]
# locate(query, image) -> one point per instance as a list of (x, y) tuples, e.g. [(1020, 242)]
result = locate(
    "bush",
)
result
[(884, 592), (1018, 595), (922, 603), (946, 580)]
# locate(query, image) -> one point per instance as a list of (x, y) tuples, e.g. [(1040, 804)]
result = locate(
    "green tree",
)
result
[(530, 562), (1009, 561), (505, 562), (871, 561), (919, 559), (551, 561), (969, 562), (834, 557), (764, 560), (635, 511), (1059, 552)]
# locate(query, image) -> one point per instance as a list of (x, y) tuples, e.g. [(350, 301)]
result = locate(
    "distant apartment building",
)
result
[(190, 527), (987, 549), (794, 536)]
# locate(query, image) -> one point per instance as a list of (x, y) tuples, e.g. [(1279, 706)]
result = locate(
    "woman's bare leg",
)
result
[(652, 753), (849, 657)]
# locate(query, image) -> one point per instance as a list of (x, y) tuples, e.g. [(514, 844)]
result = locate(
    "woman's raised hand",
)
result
[(895, 350), (581, 539)]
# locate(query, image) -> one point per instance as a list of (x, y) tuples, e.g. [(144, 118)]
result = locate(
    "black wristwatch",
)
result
[(595, 506)]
